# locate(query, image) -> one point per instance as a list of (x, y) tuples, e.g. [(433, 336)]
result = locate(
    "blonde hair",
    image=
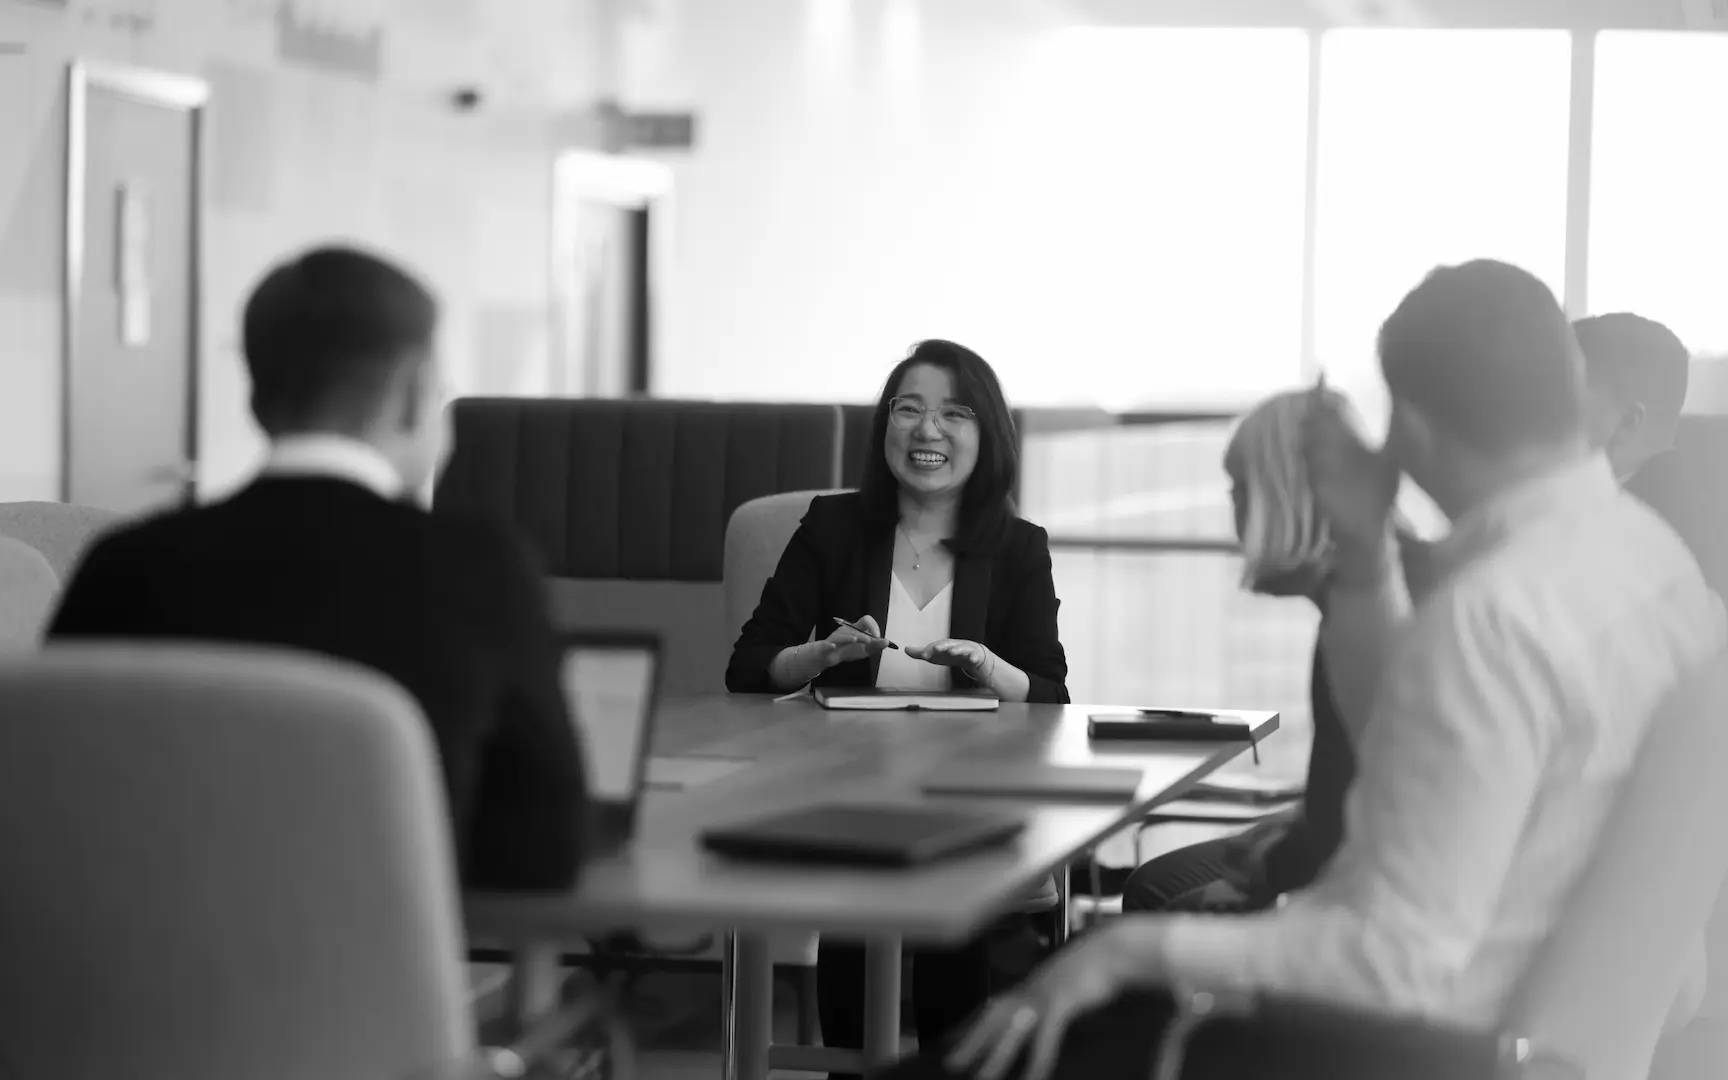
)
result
[(1282, 530)]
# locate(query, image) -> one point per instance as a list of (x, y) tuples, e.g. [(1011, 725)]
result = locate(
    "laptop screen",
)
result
[(610, 692)]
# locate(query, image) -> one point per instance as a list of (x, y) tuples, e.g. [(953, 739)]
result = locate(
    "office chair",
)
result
[(28, 590), (225, 862), (60, 531)]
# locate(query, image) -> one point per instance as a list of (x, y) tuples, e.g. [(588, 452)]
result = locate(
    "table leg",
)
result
[(1064, 905), (748, 1004), (881, 1002), (534, 982)]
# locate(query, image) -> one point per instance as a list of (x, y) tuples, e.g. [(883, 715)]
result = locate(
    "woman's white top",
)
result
[(912, 627)]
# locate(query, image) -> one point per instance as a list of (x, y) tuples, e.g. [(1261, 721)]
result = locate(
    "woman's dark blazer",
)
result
[(836, 565)]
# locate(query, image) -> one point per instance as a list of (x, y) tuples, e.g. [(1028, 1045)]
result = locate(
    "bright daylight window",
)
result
[(1659, 208), (1154, 180), (1436, 146)]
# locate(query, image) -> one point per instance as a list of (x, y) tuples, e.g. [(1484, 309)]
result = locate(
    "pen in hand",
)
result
[(850, 626)]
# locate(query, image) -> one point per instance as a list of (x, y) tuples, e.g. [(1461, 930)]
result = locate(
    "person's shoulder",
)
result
[(835, 517), (840, 506), (487, 544), (159, 531), (1023, 539), (1023, 531), (483, 575), (1568, 579)]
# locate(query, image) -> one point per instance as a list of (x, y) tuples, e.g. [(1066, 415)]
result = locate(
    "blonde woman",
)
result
[(1285, 547)]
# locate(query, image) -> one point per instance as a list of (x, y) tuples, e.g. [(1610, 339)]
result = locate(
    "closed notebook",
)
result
[(863, 834), (872, 698), (1034, 780)]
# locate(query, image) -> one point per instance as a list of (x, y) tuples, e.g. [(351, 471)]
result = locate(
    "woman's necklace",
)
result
[(917, 556)]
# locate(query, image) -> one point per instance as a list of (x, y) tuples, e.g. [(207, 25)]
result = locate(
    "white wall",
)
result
[(300, 155), (874, 172)]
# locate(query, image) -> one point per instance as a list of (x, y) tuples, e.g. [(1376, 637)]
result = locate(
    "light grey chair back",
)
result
[(222, 863), (1604, 987), (60, 531), (756, 537), (28, 589)]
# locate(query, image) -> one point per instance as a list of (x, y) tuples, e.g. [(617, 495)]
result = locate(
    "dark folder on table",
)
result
[(863, 834)]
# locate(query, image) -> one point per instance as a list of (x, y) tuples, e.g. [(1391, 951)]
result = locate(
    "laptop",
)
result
[(611, 684)]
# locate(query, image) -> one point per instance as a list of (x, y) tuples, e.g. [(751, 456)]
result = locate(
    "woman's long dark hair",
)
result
[(987, 502)]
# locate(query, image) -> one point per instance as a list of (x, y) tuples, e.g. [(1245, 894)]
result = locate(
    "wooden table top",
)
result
[(799, 754)]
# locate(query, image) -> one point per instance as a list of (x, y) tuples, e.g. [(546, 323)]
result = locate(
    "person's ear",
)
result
[(1410, 436), (411, 394), (1632, 421)]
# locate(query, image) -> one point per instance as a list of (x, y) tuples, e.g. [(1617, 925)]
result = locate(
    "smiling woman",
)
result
[(928, 553), (931, 555)]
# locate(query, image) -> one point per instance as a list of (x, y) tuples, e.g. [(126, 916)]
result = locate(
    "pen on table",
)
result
[(866, 633)]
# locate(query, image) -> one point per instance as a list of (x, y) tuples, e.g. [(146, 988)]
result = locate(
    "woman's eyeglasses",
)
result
[(908, 413)]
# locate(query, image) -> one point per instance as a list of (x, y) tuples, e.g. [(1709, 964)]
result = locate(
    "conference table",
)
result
[(754, 756)]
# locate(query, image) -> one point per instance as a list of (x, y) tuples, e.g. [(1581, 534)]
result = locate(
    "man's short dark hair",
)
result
[(1484, 350), (1639, 360), (325, 332)]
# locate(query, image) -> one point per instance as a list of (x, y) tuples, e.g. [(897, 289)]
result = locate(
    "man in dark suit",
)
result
[(327, 551), (1638, 373)]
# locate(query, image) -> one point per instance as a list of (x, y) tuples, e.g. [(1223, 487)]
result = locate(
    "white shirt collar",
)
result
[(335, 456), (1484, 526)]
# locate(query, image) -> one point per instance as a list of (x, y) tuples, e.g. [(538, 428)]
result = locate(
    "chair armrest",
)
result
[(1218, 1037)]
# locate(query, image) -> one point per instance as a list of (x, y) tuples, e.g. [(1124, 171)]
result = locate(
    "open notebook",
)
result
[(838, 697)]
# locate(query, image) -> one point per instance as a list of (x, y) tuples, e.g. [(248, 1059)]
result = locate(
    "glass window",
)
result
[(1127, 644), (1436, 146), (1151, 185), (1658, 212)]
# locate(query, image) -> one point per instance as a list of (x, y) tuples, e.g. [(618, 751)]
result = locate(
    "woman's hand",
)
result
[(1244, 855), (847, 644), (1033, 1016), (1353, 484), (969, 656)]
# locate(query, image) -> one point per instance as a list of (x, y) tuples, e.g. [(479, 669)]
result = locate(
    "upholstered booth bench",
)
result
[(626, 503)]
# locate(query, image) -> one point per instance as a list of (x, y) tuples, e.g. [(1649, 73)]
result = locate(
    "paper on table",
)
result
[(1207, 810), (802, 691), (1224, 785), (684, 773)]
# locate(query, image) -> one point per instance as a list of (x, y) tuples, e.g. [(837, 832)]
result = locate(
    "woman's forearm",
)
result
[(1004, 680), (796, 666), (1366, 604)]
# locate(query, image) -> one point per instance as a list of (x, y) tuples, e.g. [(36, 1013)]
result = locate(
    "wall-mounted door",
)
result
[(611, 226), (132, 288)]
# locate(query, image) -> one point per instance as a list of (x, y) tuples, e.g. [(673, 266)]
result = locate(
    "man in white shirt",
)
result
[(1493, 725)]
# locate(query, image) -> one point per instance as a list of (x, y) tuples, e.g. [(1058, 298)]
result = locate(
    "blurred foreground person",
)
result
[(327, 552)]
